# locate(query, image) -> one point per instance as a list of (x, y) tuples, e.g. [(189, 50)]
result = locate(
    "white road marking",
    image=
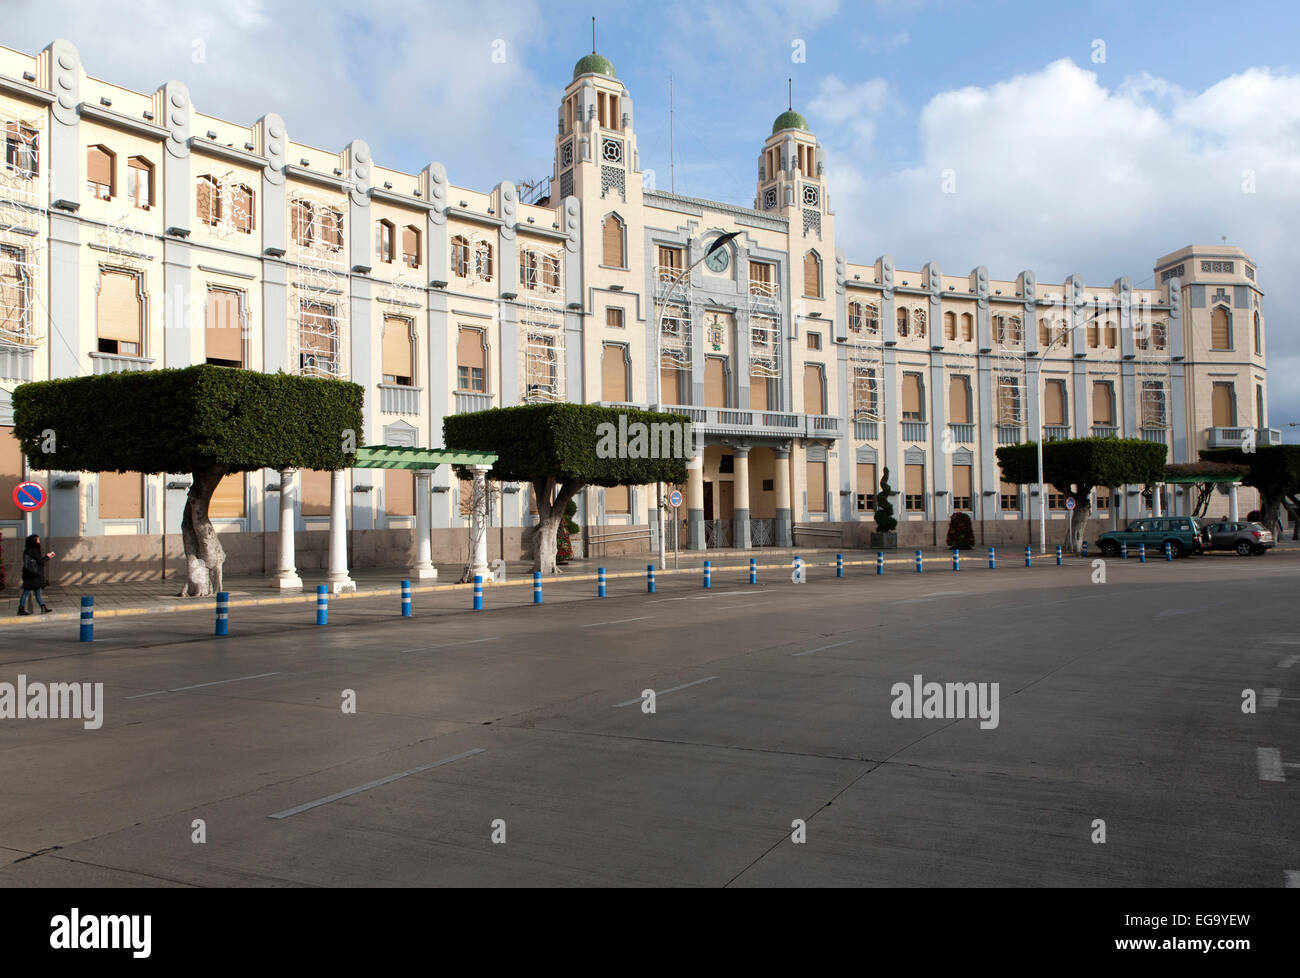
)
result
[(824, 647), (181, 689), (1269, 697), (751, 604), (700, 597), (619, 621), (665, 692), (1288, 662), (928, 597), (374, 784), (1284, 641), (1269, 761), (450, 645)]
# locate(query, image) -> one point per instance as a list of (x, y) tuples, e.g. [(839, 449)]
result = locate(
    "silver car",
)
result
[(1245, 538)]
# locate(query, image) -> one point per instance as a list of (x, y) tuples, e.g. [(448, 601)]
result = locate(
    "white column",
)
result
[(1156, 502), (1232, 503), (422, 569), (286, 574), (478, 523), (337, 578)]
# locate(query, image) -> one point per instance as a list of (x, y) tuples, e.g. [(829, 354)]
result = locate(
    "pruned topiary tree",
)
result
[(561, 448), (1076, 466), (961, 532), (205, 420), (885, 521), (1272, 470)]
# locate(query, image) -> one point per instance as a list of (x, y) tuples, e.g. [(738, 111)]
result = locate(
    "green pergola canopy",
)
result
[(1191, 480), (402, 457)]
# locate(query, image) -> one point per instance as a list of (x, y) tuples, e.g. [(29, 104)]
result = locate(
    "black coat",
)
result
[(34, 569)]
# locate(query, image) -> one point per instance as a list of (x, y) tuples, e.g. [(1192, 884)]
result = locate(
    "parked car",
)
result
[(1183, 534), (1245, 538)]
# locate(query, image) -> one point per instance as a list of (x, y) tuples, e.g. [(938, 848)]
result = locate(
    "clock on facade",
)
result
[(718, 261)]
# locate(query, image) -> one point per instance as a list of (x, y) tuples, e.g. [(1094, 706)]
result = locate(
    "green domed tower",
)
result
[(595, 146), (792, 170), (594, 64)]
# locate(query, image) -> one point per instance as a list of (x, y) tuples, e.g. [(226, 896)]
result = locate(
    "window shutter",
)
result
[(758, 392), (411, 244), (915, 480), (614, 318), (99, 167), (399, 492), (1222, 406), (1101, 404), (11, 473), (1054, 402), (205, 197), (121, 496), (228, 498), (243, 215), (961, 482), (120, 310), (867, 478), (314, 492), (398, 359), (812, 389), (967, 326), (715, 382), (613, 242), (959, 401), (949, 326), (812, 279), (1220, 330), (613, 373), (816, 487), (469, 348), (224, 328), (911, 396), (670, 381)]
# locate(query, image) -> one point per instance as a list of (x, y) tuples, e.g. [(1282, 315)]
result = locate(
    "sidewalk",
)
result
[(161, 597)]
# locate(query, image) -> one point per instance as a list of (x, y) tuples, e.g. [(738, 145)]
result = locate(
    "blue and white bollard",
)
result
[(1085, 548), (1058, 556), (600, 582), (956, 560), (920, 566), (223, 613), (88, 619), (880, 562), (537, 587), (1169, 551), (1123, 550), (839, 565), (753, 570), (708, 573), (993, 563), (478, 592), (406, 599), (650, 578), (322, 605), (1142, 553), (1029, 556)]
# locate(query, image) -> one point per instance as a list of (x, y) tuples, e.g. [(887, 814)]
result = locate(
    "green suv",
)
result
[(1183, 534)]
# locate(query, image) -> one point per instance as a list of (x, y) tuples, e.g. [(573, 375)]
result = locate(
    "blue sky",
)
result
[(1064, 162)]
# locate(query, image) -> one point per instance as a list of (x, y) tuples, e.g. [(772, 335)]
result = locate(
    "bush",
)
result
[(563, 535), (961, 532), (885, 522)]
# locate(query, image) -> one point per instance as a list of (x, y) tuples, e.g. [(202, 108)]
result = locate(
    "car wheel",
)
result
[(1244, 548), (1176, 548), (1110, 548)]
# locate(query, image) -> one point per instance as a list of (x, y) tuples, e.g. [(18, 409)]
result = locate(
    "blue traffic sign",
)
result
[(675, 498), (29, 496)]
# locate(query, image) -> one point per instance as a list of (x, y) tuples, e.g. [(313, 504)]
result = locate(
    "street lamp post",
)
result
[(718, 244)]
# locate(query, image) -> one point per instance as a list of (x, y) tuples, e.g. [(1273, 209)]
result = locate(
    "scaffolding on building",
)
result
[(318, 295), (473, 257), (1010, 366), (541, 326), (124, 240), (231, 212), (866, 356), (22, 211), (764, 330), (1152, 368)]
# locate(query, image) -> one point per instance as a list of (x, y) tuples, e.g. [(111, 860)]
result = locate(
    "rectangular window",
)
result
[(1153, 404), (1054, 402), (467, 498), (670, 262), (961, 487), (139, 185), (613, 373), (100, 164), (1055, 500), (959, 400), (398, 352), (814, 341), (1009, 498), (314, 492), (1223, 404), (229, 499), (617, 500), (399, 492), (816, 487), (1009, 403), (1094, 334), (11, 473), (15, 295), (384, 241), (120, 313), (866, 494), (1259, 406), (22, 150), (1112, 336), (1103, 499), (761, 278), (670, 381), (208, 201), (411, 246), (301, 218), (471, 360), (866, 394), (241, 214), (912, 404), (814, 389), (332, 229), (715, 382), (914, 495), (614, 318), (317, 339), (1103, 403), (121, 496), (224, 328)]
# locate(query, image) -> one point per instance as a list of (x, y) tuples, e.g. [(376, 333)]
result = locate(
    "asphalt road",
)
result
[(1119, 701)]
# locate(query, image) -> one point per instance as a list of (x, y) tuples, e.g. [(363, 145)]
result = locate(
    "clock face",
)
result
[(718, 261)]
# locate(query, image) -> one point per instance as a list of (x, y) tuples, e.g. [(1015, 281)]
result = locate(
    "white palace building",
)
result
[(138, 233)]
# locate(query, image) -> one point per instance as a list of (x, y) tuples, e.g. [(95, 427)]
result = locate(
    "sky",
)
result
[(1082, 137)]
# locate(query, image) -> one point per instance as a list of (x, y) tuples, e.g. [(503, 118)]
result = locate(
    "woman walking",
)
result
[(34, 580)]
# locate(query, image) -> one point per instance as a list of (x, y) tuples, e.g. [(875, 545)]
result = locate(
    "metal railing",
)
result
[(599, 539), (963, 434), (1055, 432), (399, 399), (914, 430), (1105, 431)]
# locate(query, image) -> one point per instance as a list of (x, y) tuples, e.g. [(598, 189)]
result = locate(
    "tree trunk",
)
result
[(1078, 521), (203, 553), (1270, 509), (549, 516)]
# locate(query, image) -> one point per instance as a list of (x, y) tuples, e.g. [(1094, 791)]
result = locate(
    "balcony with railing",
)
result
[(112, 363), (772, 424), (866, 430), (399, 399), (914, 431), (1105, 431), (1010, 434), (1239, 437), (963, 434), (1160, 435), (1056, 432), (467, 402)]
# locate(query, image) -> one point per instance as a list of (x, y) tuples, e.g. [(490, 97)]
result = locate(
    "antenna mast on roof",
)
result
[(789, 94), (672, 171), (593, 35)]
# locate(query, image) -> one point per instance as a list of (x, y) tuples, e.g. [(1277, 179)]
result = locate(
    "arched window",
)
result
[(1044, 333), (613, 253), (139, 185), (1259, 336), (812, 275), (460, 256), (1220, 329), (120, 313), (967, 326), (241, 208), (483, 261), (208, 196), (903, 329), (101, 173), (949, 325), (384, 233), (411, 246), (855, 317), (398, 351)]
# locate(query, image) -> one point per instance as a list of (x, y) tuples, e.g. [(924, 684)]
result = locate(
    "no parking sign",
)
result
[(29, 496), (674, 499)]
